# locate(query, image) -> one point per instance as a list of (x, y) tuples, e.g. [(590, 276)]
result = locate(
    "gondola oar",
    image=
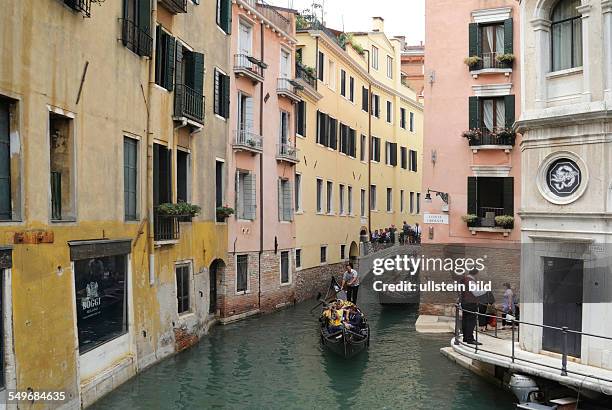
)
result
[(334, 287)]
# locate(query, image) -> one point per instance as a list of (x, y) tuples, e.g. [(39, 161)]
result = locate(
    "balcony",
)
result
[(485, 139), (175, 6), (489, 63), (166, 228), (189, 104), (485, 221), (288, 88), (305, 75), (287, 153), (246, 140), (270, 14), (83, 6), (135, 38), (250, 67)]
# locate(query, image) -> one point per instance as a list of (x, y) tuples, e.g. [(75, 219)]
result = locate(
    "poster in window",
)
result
[(101, 300)]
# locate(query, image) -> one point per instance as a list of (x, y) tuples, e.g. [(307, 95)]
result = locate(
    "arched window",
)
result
[(566, 38)]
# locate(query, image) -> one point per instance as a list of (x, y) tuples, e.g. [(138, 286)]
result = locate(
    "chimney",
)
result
[(378, 24)]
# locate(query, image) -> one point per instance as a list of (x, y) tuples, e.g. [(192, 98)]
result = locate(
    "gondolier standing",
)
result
[(350, 279)]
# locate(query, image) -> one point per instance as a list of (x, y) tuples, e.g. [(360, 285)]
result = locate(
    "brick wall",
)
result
[(311, 281)]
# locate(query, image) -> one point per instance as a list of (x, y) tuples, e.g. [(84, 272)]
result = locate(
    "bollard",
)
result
[(457, 324), (564, 357)]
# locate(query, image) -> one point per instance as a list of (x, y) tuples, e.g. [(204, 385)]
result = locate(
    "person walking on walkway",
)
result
[(350, 279), (508, 305), (469, 304)]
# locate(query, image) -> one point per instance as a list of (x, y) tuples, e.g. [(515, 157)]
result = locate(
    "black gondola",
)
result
[(343, 341)]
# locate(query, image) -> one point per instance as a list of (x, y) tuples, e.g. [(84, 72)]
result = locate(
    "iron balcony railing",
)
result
[(302, 73), (498, 136), (175, 6), (564, 332), (188, 103), (287, 152), (84, 6), (166, 227), (486, 218), (135, 38), (269, 13), (286, 85), (249, 64), (245, 138)]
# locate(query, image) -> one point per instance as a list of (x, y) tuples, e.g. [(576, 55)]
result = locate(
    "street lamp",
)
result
[(443, 196)]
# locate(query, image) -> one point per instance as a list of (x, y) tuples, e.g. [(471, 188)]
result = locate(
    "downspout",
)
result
[(261, 169), (149, 138), (317, 62), (369, 190)]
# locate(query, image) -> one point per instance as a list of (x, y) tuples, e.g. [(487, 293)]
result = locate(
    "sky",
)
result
[(402, 17)]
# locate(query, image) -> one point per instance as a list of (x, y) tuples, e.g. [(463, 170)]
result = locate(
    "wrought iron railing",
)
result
[(84, 6), (166, 227), (489, 60), (135, 38), (302, 73), (515, 328), (287, 151), (175, 6), (188, 103), (270, 14), (248, 63), (500, 136), (246, 138)]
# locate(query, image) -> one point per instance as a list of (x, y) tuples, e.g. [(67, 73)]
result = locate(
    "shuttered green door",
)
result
[(475, 44), (5, 162), (472, 196), (474, 113), (509, 104)]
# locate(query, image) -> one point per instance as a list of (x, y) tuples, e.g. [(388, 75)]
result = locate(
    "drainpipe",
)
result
[(317, 62), (261, 169), (369, 189), (149, 139)]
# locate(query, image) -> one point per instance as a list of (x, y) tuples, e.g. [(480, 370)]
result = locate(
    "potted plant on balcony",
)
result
[(504, 221), (505, 136), (473, 135), (472, 61), (182, 210), (224, 212), (505, 59), (470, 219)]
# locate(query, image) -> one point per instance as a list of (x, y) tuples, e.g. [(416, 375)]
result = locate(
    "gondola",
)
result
[(343, 341)]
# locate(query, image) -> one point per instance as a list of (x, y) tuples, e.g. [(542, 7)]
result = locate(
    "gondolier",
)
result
[(350, 282)]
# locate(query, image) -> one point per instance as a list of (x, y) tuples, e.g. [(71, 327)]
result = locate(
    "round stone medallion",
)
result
[(563, 177)]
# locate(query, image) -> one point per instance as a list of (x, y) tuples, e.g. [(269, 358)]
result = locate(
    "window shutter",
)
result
[(170, 46), (225, 15), (288, 201), (333, 133), (156, 165), (198, 72), (472, 195), (248, 114), (238, 202), (321, 66), (475, 47), (158, 55), (364, 99), (226, 95), (281, 202), (509, 196), (353, 143), (250, 196), (343, 83), (393, 148), (5, 163), (510, 110), (508, 36), (144, 17), (352, 89), (473, 115)]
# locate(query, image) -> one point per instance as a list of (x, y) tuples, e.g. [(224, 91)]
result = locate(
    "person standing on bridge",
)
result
[(350, 279)]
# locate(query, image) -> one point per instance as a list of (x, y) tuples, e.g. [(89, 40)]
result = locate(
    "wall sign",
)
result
[(439, 219), (563, 177)]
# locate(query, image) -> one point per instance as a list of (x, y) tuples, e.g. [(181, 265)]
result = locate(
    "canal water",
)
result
[(276, 361)]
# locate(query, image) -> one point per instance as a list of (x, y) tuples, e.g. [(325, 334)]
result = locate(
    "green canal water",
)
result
[(276, 361)]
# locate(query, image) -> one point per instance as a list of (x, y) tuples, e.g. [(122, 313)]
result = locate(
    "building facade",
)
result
[(262, 152), (106, 260), (413, 67)]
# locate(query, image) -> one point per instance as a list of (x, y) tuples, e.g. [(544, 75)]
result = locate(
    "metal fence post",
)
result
[(457, 323), (513, 340), (564, 357), (477, 314)]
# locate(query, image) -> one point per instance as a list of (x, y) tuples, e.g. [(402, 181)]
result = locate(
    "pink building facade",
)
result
[(262, 157)]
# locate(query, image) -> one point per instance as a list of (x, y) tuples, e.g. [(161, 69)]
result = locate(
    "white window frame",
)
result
[(295, 258), (320, 195), (298, 193), (375, 57), (349, 192), (249, 25), (280, 268), (341, 189), (389, 67), (248, 279), (326, 247), (363, 195), (389, 195), (329, 197), (191, 287)]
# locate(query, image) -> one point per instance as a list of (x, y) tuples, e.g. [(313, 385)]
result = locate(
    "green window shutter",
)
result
[(228, 16), (281, 209), (170, 48), (364, 99), (475, 43), (158, 55), (509, 196), (474, 113), (5, 163), (144, 15), (198, 72), (509, 105), (394, 154), (156, 165), (472, 195), (288, 201), (333, 134), (226, 96), (508, 36), (321, 66)]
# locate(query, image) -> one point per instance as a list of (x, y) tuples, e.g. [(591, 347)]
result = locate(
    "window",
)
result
[(411, 122), (62, 163), (298, 192), (342, 252), (222, 94), (566, 35), (298, 258), (389, 67), (362, 148), (404, 157), (245, 114), (341, 199), (284, 268), (413, 161), (183, 176), (352, 90), (342, 83), (331, 81), (321, 66), (389, 199), (376, 105), (489, 197), (330, 197), (246, 193), (412, 202), (362, 198), (327, 130), (491, 114), (100, 320), (285, 63), (389, 112), (136, 26), (219, 185), (6, 196), (285, 209), (402, 206), (350, 200), (387, 153), (403, 118), (365, 98), (162, 175), (130, 178), (492, 43), (245, 40), (375, 57), (164, 59), (224, 15), (375, 149), (242, 273), (323, 254), (373, 197), (300, 119), (418, 203), (347, 141), (284, 130), (189, 84), (183, 285), (319, 195)]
